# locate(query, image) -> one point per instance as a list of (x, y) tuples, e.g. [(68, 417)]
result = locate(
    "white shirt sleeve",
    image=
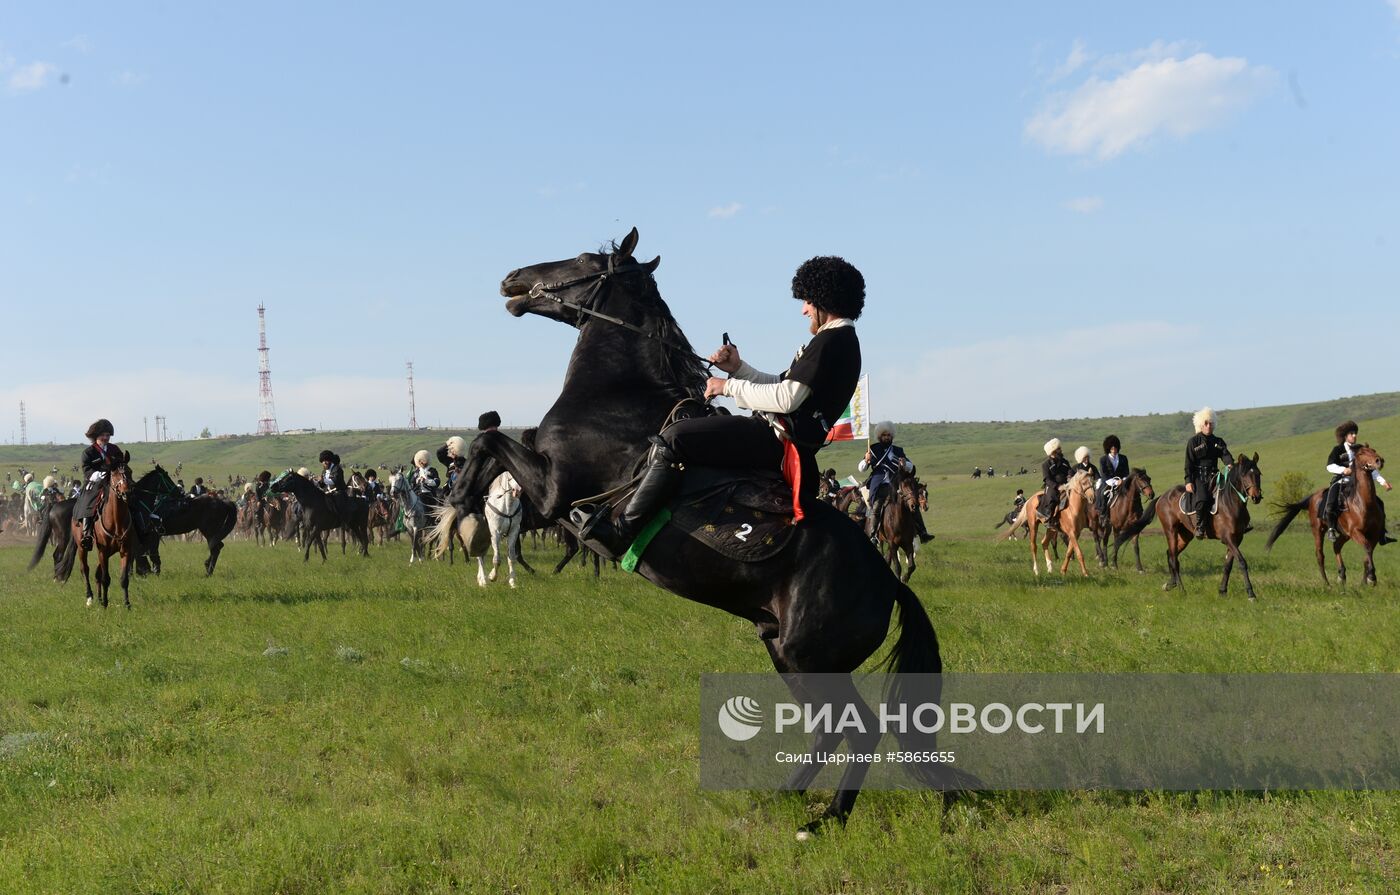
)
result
[(1336, 468), (862, 466), (747, 373), (1379, 479), (908, 465), (778, 396)]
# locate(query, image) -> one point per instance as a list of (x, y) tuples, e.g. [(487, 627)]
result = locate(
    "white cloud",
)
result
[(33, 76), (1085, 204), (721, 212), (1395, 5), (1161, 95), (1078, 55)]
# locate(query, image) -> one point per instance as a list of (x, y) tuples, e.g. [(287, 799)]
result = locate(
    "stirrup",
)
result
[(586, 516), (1331, 533)]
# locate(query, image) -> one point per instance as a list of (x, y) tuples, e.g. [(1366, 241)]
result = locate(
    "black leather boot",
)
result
[(660, 480), (924, 536), (1329, 513), (87, 534), (1201, 512)]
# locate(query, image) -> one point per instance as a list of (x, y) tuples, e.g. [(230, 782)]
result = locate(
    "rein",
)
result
[(598, 281)]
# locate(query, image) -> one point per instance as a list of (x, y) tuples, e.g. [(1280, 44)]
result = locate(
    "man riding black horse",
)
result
[(793, 411), (333, 483), (1113, 465)]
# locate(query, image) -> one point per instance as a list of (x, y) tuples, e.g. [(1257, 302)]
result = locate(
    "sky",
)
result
[(1060, 210)]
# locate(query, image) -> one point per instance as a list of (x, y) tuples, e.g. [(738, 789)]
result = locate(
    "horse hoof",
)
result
[(804, 835)]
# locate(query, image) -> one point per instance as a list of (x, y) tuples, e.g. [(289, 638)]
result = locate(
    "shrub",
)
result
[(1292, 487)]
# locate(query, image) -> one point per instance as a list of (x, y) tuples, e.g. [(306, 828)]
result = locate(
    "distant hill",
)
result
[(938, 448)]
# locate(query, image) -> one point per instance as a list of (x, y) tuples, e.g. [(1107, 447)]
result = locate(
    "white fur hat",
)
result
[(50, 481), (420, 458), (881, 428), (1081, 454), (1052, 446), (249, 487), (28, 477), (1203, 416), (304, 472), (456, 446)]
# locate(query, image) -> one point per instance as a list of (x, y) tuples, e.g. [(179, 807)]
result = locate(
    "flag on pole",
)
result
[(855, 420)]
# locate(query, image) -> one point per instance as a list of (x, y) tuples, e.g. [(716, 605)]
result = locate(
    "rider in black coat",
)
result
[(99, 458), (1203, 452)]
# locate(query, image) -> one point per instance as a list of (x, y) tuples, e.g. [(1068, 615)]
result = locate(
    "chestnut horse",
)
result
[(1360, 519), (112, 532), (1073, 519), (1242, 484)]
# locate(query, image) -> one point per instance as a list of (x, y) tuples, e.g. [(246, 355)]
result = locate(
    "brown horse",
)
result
[(1073, 519), (1360, 519), (1242, 484), (381, 517), (1127, 509), (896, 525), (112, 532)]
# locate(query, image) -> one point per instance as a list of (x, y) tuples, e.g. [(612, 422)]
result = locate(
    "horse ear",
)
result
[(653, 264), (629, 244), (1256, 458)]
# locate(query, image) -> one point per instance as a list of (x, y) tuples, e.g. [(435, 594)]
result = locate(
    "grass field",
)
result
[(366, 727), (360, 726)]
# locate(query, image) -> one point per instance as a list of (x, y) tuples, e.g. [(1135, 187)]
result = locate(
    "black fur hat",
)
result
[(371, 474), (328, 457), (489, 420), (101, 427), (832, 284), (264, 476), (1346, 429), (1111, 442)]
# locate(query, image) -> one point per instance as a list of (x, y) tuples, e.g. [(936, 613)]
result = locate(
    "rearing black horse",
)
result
[(319, 516), (822, 605)]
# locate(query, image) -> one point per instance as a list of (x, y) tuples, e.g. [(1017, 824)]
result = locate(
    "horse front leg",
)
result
[(1137, 554), (1370, 564), (87, 576), (1341, 564), (1229, 564)]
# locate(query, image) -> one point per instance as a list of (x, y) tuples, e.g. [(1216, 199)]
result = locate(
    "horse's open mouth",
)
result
[(517, 292)]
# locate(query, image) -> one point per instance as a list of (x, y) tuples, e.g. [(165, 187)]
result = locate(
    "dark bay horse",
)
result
[(1243, 483), (1126, 509), (824, 604), (113, 531), (896, 526), (320, 517), (1361, 518)]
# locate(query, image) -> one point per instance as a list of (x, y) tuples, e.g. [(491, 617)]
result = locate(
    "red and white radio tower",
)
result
[(267, 421), (412, 407)]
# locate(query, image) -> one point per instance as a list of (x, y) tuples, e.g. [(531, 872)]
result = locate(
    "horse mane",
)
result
[(682, 370)]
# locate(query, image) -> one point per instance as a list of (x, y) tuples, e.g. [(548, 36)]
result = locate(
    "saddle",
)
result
[(1214, 503), (745, 515)]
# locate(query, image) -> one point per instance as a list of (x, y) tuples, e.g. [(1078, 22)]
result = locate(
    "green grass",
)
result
[(361, 726)]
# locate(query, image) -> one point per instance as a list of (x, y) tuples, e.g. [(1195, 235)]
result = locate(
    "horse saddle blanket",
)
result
[(743, 515)]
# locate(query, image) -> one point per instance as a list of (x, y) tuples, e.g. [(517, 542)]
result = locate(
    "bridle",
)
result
[(598, 281)]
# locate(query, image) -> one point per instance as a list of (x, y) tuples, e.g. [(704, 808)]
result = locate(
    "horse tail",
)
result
[(916, 649), (915, 663), (444, 523), (1290, 511), (230, 521), (1149, 513), (45, 527), (64, 567)]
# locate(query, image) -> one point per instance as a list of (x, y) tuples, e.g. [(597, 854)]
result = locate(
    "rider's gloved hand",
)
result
[(97, 476)]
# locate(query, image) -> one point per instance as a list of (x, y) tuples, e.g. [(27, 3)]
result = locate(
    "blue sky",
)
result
[(1064, 211)]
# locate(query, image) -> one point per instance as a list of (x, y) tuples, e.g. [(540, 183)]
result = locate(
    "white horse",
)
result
[(415, 515), (503, 517)]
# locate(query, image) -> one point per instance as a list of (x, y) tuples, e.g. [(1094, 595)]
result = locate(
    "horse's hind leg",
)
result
[(1341, 564), (1244, 570), (480, 571), (1137, 554), (126, 579), (87, 576), (840, 691), (1321, 560), (909, 554)]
